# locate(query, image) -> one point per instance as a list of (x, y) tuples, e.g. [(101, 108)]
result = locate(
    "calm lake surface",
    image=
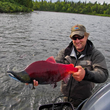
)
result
[(29, 37)]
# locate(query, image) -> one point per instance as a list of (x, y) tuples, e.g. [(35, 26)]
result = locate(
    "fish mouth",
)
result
[(20, 76), (13, 77)]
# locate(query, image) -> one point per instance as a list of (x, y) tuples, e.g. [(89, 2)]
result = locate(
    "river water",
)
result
[(29, 37)]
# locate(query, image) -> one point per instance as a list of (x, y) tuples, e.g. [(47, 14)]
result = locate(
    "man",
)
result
[(89, 61)]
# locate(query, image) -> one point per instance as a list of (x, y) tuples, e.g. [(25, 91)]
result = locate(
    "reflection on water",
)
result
[(29, 37)]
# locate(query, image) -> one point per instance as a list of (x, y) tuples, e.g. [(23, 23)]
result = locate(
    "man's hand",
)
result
[(35, 83), (79, 76)]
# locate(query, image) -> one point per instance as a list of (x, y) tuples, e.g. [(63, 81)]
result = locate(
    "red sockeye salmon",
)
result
[(44, 71)]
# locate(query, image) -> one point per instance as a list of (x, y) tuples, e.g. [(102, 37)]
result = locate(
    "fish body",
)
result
[(45, 72)]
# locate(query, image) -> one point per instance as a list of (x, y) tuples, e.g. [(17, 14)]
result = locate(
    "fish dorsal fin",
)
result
[(51, 59)]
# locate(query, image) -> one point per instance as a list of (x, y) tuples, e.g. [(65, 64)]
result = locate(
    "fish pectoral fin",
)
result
[(31, 86)]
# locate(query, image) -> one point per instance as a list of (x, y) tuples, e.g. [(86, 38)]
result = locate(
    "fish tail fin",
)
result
[(72, 69), (20, 76)]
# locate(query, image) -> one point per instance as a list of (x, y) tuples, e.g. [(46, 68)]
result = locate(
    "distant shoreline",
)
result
[(66, 7)]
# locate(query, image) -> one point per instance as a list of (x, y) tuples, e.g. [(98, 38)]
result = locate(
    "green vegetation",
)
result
[(73, 7), (10, 6)]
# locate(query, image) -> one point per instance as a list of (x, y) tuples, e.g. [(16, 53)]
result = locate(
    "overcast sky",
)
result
[(98, 1)]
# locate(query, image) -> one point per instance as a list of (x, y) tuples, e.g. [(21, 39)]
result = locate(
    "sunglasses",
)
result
[(79, 37)]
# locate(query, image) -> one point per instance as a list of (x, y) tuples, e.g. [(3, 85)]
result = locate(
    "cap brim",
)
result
[(80, 33)]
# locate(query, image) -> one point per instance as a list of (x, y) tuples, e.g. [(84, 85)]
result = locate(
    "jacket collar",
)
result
[(73, 54), (70, 49)]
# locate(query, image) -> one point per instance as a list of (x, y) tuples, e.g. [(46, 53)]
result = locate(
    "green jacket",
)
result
[(95, 66)]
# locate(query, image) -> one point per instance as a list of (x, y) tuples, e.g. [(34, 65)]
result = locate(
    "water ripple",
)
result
[(29, 37)]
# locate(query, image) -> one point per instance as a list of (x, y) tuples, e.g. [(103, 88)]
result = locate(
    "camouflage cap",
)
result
[(78, 30)]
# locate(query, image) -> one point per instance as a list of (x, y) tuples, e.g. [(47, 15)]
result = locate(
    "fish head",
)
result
[(20, 76)]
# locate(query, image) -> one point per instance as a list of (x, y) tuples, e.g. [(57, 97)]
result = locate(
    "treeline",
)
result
[(73, 7), (10, 6)]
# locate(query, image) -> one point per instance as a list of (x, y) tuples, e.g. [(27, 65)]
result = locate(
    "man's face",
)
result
[(80, 43)]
